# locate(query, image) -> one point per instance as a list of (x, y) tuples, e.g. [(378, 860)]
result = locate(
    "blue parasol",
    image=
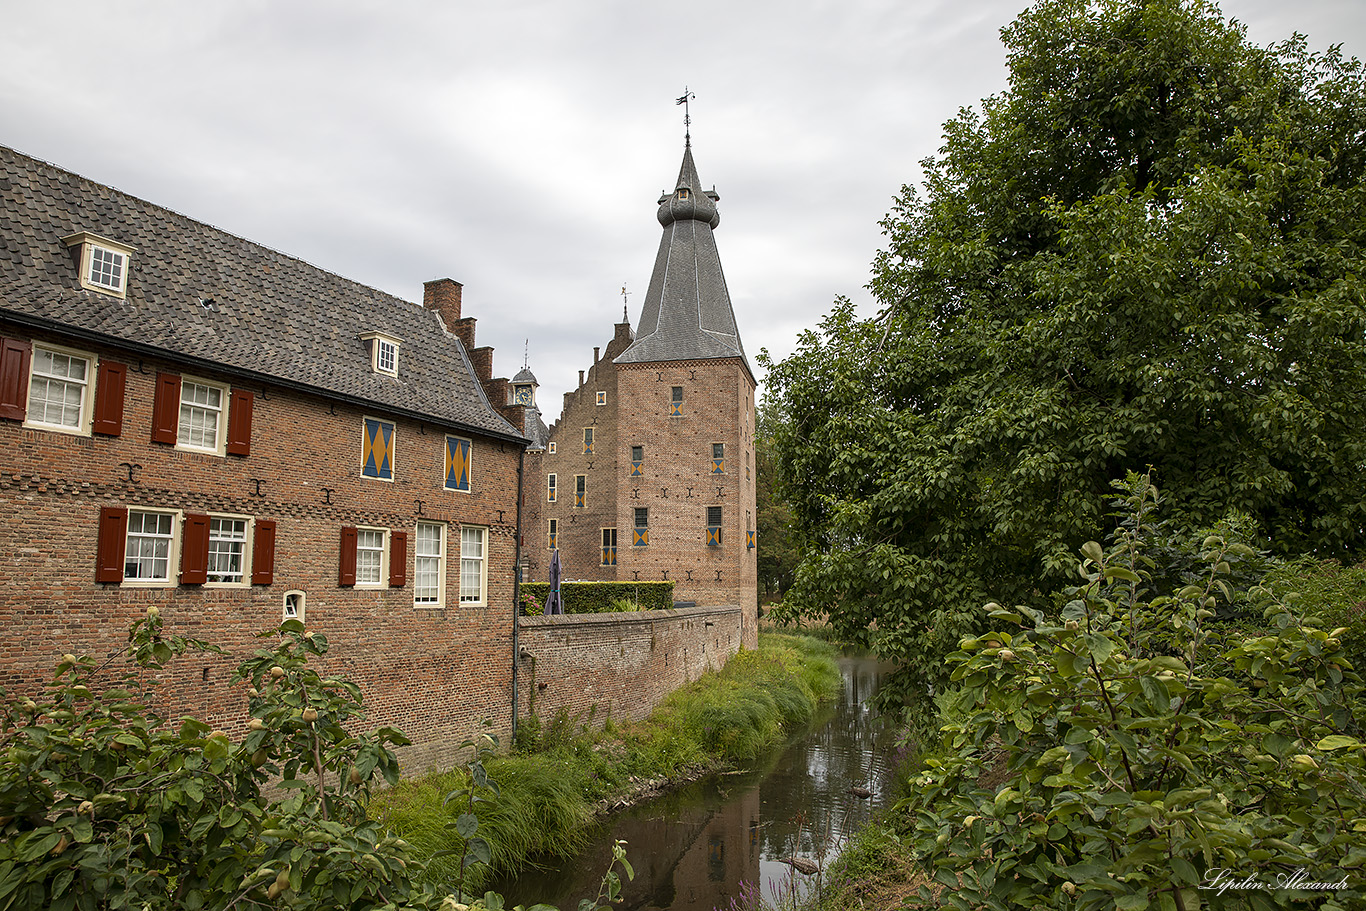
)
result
[(553, 604)]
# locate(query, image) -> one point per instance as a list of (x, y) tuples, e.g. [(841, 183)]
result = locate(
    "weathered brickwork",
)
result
[(436, 673), (619, 666)]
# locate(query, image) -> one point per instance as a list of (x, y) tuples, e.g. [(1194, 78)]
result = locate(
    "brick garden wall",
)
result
[(619, 666), (435, 673)]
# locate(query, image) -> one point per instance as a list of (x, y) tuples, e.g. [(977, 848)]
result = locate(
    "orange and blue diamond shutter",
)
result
[(457, 464), (377, 450)]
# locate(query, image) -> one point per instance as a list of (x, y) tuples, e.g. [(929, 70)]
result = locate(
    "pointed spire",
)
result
[(687, 313)]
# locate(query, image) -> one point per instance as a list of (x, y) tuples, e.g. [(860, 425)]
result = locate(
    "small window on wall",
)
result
[(580, 491), (640, 536), (554, 534), (588, 441), (429, 565), (609, 547), (473, 578), (676, 402), (370, 554), (294, 606), (637, 461), (602, 398), (550, 448), (550, 488), (458, 463), (713, 526), (377, 449), (383, 351), (718, 458)]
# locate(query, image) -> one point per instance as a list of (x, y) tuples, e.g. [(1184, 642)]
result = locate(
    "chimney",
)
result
[(482, 361), (463, 329), (596, 351), (443, 297), (580, 377)]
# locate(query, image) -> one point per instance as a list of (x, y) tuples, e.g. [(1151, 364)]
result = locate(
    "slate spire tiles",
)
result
[(203, 296), (687, 313)]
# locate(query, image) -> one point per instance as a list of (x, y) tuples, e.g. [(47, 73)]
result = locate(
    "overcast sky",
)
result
[(519, 146)]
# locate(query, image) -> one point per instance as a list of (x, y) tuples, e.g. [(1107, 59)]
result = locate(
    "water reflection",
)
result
[(696, 849)]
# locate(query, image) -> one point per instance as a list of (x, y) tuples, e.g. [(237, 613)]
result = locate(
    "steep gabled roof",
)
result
[(687, 313), (272, 317)]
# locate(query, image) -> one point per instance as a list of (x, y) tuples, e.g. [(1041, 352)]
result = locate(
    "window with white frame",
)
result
[(201, 415), (370, 556), (429, 565), (472, 559), (59, 389), (386, 356), (104, 263), (227, 549), (150, 546)]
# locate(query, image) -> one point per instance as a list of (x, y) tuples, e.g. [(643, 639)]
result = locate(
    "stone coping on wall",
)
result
[(622, 618)]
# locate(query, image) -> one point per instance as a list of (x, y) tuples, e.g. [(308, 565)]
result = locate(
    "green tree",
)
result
[(1123, 753), (1148, 251), (777, 555)]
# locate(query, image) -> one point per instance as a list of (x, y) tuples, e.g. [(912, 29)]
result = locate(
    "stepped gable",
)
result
[(687, 314), (209, 298)]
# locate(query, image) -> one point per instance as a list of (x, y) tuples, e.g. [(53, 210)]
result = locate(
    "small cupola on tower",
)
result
[(522, 390)]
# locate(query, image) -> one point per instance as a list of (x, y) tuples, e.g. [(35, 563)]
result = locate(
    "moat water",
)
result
[(708, 844)]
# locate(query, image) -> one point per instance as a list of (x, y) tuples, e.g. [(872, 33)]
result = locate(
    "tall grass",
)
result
[(549, 787)]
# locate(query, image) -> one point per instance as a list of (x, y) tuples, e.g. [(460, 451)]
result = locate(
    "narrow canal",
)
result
[(699, 848)]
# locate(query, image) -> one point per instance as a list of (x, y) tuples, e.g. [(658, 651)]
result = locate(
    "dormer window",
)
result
[(383, 350), (682, 192), (103, 262)]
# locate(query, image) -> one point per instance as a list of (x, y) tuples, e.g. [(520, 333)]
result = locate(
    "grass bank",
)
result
[(560, 774)]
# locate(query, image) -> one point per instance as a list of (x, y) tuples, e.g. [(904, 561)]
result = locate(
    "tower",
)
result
[(649, 472)]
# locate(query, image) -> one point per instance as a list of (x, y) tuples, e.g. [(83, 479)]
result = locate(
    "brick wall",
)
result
[(619, 666), (435, 673)]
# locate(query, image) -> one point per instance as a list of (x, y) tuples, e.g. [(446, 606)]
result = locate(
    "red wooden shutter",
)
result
[(239, 422), (398, 559), (347, 564), (166, 409), (194, 550), (109, 551), (109, 398), (263, 553), (14, 356)]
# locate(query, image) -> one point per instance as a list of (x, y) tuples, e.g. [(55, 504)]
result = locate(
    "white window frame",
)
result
[(550, 448), (220, 431), (248, 529), (172, 551), (552, 490), (382, 551), (121, 253), (383, 352), (293, 606), (602, 398), (87, 408), (418, 566), (472, 564)]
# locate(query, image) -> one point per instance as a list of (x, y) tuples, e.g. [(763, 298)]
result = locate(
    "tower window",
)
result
[(637, 460), (602, 398), (609, 547), (676, 402), (554, 536), (713, 526), (588, 441), (580, 490), (718, 458), (641, 535), (550, 488)]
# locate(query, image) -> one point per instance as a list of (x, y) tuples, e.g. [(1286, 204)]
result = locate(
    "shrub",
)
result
[(1122, 753), (599, 597)]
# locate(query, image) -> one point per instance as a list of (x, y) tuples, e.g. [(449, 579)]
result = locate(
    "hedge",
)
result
[(598, 597)]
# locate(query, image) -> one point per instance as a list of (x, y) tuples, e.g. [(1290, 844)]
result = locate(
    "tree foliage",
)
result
[(106, 805), (1124, 752), (776, 554), (1148, 251)]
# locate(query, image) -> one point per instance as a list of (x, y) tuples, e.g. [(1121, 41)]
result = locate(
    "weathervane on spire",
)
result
[(687, 117), (526, 354), (625, 317)]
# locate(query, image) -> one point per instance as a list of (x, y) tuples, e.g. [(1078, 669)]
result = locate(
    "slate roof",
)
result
[(274, 318), (687, 313)]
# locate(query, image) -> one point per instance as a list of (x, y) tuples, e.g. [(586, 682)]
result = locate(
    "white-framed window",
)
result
[(294, 606), (371, 556), (429, 565), (473, 557), (550, 481), (383, 352), (229, 550), (150, 552), (104, 263), (60, 389), (550, 448), (203, 415)]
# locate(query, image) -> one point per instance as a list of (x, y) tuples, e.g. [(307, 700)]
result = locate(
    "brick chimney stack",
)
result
[(443, 296)]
